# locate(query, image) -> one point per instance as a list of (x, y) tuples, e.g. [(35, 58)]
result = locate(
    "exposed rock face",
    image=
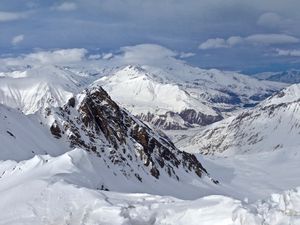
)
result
[(55, 130), (180, 121), (199, 118), (96, 123)]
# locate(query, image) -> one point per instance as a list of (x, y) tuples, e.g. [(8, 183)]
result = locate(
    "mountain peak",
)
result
[(94, 122)]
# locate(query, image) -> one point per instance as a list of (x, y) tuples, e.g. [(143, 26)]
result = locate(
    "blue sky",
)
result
[(244, 35)]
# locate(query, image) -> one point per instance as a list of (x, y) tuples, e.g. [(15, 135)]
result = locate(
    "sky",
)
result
[(242, 35)]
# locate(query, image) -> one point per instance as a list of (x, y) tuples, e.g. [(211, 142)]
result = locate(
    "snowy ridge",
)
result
[(66, 181), (272, 125)]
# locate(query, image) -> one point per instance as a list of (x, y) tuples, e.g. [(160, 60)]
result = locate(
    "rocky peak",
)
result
[(93, 121)]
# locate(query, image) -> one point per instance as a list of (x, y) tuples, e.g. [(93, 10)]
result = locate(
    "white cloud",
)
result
[(10, 16), (214, 43), (234, 40), (66, 6), (184, 55), (290, 52), (256, 39), (144, 53), (17, 39), (271, 39), (57, 56)]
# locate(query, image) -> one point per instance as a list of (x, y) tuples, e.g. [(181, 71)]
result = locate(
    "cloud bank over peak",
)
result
[(143, 54)]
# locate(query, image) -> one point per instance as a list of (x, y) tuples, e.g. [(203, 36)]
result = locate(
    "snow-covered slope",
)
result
[(64, 190), (272, 125), (34, 88), (22, 137), (290, 76), (180, 96)]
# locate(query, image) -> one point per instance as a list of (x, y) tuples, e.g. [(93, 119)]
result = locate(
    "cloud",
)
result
[(271, 39), (11, 16), (214, 43), (256, 39), (290, 52), (17, 39), (66, 6), (144, 53), (57, 56), (184, 55)]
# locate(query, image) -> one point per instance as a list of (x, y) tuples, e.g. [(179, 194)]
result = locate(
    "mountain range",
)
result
[(158, 143)]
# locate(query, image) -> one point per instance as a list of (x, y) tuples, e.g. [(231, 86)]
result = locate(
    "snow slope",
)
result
[(56, 194), (22, 137), (270, 126)]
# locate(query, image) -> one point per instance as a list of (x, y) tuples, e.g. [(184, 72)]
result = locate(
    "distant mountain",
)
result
[(290, 76), (172, 96), (180, 96), (35, 88), (272, 125)]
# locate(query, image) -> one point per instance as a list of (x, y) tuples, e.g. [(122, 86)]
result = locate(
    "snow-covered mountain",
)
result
[(159, 87), (272, 125), (121, 146), (94, 122), (290, 76), (34, 88), (179, 96), (83, 158)]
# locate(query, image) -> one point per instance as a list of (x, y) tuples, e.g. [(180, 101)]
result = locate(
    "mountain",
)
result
[(290, 76), (34, 88), (180, 96), (123, 149), (93, 121), (272, 125), (171, 96)]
